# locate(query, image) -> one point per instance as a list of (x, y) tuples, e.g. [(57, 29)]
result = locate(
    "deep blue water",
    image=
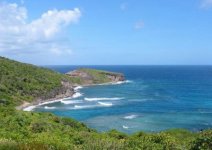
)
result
[(155, 98)]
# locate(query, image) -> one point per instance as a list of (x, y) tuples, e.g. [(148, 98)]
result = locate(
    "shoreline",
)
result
[(27, 106)]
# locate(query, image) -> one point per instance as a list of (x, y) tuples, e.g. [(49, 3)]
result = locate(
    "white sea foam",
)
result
[(47, 107), (131, 117), (83, 106), (77, 88), (77, 94), (103, 99), (92, 106), (67, 98), (30, 108), (49, 102), (105, 104), (116, 83), (71, 102), (125, 127), (122, 82)]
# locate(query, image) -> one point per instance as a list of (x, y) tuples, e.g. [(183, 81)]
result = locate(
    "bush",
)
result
[(38, 127), (116, 134), (203, 141), (6, 144)]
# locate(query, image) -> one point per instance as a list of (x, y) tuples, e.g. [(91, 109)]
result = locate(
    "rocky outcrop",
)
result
[(114, 77), (92, 76), (66, 90)]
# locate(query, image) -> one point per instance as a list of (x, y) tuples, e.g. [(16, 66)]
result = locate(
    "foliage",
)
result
[(44, 131), (31, 130), (99, 76), (203, 141), (23, 82)]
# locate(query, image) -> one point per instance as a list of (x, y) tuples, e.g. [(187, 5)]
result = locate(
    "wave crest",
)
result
[(131, 117), (77, 94), (105, 104), (83, 106), (47, 107), (103, 99), (77, 88), (71, 102), (125, 127)]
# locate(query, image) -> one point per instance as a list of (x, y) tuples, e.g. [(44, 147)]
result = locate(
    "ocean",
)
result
[(152, 99)]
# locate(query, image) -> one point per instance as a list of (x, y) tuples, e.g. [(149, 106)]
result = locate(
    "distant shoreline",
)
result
[(27, 106)]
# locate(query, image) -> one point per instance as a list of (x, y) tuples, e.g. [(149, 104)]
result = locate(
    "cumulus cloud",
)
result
[(19, 36), (139, 25), (206, 3)]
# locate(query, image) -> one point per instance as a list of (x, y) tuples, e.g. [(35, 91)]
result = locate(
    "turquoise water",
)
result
[(154, 98)]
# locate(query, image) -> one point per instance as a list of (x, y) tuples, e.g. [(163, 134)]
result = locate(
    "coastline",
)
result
[(27, 106)]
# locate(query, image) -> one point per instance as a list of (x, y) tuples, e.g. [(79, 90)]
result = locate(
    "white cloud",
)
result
[(139, 25), (206, 3), (18, 36)]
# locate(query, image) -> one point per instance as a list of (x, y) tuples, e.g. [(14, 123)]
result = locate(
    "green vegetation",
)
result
[(44, 131), (93, 76), (100, 76), (23, 82)]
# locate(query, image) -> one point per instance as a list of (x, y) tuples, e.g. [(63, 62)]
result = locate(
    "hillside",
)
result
[(44, 131), (23, 82)]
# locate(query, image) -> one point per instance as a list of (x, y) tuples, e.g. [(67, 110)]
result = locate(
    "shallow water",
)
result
[(155, 98)]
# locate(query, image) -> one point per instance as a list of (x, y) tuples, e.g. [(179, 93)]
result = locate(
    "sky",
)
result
[(107, 32)]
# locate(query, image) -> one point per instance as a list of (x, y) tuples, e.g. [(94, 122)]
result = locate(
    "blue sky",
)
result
[(118, 32)]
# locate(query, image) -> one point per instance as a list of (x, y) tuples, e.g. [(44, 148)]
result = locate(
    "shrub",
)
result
[(203, 141)]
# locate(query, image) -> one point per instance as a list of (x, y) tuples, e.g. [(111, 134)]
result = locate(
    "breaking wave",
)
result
[(105, 104), (77, 88), (84, 106), (131, 117), (103, 99), (47, 107), (77, 94), (71, 102), (125, 127)]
